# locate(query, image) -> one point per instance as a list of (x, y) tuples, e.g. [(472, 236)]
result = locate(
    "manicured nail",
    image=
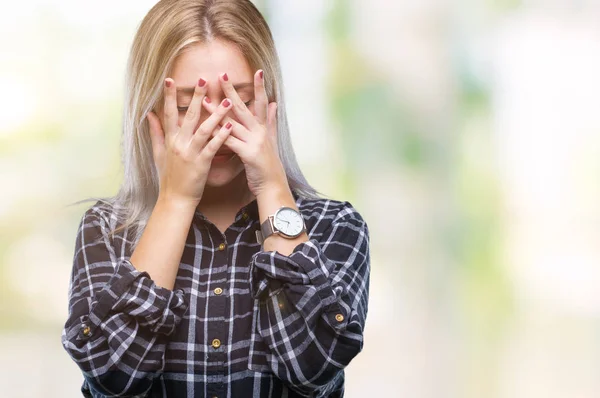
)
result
[(207, 99), (168, 83), (228, 125), (226, 103), (201, 82), (260, 74), (225, 77)]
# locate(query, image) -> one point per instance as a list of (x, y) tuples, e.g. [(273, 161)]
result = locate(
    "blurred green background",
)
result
[(466, 134)]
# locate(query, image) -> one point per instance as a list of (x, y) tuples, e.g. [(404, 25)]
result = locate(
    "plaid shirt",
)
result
[(240, 322)]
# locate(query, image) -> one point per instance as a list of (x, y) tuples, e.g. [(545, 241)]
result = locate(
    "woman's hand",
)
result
[(183, 154), (254, 137)]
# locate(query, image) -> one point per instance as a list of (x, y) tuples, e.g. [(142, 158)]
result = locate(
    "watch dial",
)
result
[(289, 222)]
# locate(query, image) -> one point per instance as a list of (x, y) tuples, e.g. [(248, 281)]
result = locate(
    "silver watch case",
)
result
[(268, 226)]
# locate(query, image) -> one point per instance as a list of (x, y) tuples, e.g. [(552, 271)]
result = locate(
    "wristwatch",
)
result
[(286, 222)]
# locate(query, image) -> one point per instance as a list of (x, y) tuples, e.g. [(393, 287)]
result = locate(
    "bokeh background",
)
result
[(466, 133)]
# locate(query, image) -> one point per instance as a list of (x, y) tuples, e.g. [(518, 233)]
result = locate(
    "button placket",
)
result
[(217, 305)]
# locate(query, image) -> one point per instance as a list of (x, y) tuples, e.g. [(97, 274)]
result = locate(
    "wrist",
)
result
[(273, 181), (273, 189), (273, 198), (176, 204)]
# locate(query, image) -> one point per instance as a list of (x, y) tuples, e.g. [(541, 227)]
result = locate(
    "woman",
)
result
[(216, 271)]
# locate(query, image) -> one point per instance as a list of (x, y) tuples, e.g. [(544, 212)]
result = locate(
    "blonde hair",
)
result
[(169, 28)]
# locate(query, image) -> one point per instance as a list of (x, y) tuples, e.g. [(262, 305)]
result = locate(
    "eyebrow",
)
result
[(190, 90)]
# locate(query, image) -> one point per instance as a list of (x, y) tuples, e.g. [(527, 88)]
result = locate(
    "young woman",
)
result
[(216, 271)]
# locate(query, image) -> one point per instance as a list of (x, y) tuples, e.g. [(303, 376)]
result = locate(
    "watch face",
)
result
[(288, 221)]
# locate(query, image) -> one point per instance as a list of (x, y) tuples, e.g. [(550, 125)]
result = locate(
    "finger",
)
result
[(239, 130), (239, 108), (216, 142), (236, 145), (207, 127), (272, 118), (157, 136), (170, 108), (260, 97), (272, 122), (210, 106), (192, 116)]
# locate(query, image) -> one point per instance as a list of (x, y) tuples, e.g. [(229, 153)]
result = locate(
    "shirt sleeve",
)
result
[(311, 306), (119, 319)]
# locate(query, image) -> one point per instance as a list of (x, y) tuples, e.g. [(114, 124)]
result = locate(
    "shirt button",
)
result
[(85, 329), (222, 246), (216, 343), (218, 291), (339, 318)]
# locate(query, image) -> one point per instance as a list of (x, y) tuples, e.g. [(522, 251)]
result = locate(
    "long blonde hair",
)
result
[(169, 28)]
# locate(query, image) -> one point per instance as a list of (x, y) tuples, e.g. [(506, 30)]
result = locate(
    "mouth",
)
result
[(223, 157)]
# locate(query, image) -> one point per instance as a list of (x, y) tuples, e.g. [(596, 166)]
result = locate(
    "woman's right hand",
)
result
[(182, 154)]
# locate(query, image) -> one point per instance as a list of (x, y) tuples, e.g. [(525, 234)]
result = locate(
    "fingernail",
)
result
[(228, 125), (260, 74), (226, 103), (201, 82), (225, 77), (167, 83), (207, 99)]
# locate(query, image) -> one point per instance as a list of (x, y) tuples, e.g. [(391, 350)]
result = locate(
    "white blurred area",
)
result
[(540, 62), (547, 89), (547, 125)]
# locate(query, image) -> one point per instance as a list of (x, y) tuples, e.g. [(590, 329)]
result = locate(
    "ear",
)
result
[(272, 121)]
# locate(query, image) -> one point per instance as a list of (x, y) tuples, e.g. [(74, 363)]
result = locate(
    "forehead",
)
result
[(208, 61)]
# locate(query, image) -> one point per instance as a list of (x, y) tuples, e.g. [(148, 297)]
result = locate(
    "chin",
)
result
[(222, 176)]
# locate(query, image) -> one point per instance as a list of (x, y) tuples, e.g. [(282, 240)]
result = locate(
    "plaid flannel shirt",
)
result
[(240, 322)]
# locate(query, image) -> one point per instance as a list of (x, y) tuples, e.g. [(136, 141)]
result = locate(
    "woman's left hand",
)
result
[(254, 137)]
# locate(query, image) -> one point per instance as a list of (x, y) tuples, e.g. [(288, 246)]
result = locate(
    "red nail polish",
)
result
[(207, 99), (226, 103), (201, 82), (228, 125), (168, 83), (260, 74), (225, 77)]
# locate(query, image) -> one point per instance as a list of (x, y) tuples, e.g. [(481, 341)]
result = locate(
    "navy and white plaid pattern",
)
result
[(287, 325)]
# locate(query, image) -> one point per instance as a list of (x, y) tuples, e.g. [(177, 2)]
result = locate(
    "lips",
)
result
[(223, 157)]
